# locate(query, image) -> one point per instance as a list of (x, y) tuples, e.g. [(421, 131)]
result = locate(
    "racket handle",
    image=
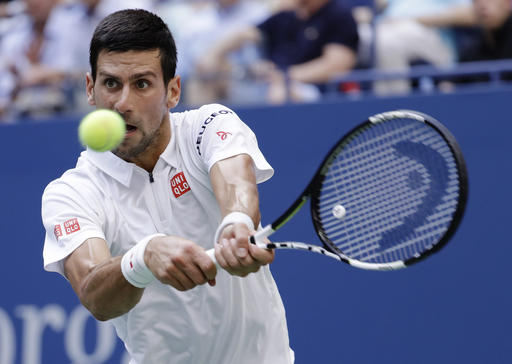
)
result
[(256, 239), (211, 254)]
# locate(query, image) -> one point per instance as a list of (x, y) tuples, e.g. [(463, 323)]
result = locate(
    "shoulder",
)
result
[(75, 183), (337, 10), (202, 116), (279, 20)]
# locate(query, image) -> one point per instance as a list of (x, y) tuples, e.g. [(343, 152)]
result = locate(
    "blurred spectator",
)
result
[(11, 8), (495, 39), (417, 31), (197, 25), (75, 22), (301, 47), (28, 58), (43, 56)]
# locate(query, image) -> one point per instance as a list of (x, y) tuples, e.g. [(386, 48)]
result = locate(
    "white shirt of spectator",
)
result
[(240, 320)]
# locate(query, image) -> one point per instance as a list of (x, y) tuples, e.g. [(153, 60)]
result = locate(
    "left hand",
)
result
[(237, 255)]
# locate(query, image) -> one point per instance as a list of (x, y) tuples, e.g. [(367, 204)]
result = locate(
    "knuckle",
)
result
[(178, 260), (189, 248)]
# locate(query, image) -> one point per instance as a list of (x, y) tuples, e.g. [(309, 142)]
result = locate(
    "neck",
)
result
[(306, 12)]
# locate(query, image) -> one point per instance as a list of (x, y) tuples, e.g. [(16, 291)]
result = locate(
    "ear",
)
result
[(89, 88), (173, 92)]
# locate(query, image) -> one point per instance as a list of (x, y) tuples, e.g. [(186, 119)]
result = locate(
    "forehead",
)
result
[(129, 62)]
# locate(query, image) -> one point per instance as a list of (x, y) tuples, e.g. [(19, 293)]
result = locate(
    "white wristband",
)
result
[(133, 266), (233, 218)]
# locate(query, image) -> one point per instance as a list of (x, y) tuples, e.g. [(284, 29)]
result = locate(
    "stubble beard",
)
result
[(144, 144)]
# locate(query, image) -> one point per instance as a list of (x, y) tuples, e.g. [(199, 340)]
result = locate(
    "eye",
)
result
[(110, 83), (142, 84)]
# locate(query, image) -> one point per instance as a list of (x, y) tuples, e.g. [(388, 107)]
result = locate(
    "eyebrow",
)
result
[(135, 76)]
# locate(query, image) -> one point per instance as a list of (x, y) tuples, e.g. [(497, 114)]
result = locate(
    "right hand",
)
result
[(179, 262)]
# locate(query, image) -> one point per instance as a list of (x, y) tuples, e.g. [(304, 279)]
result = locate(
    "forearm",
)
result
[(236, 41), (106, 293), (98, 281), (234, 185), (237, 191), (335, 60), (457, 16)]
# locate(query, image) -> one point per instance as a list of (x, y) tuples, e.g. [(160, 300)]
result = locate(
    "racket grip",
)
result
[(256, 239), (211, 254)]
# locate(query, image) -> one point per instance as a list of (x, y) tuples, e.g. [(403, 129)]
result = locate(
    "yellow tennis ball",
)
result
[(102, 130)]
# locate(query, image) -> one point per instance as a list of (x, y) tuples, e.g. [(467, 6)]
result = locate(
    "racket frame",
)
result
[(313, 188)]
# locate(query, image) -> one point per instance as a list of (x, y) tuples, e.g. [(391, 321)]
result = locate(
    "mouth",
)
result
[(130, 129)]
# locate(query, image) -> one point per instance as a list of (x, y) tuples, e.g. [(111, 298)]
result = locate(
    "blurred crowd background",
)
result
[(242, 52)]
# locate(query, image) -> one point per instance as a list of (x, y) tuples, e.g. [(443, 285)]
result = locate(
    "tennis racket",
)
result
[(389, 193)]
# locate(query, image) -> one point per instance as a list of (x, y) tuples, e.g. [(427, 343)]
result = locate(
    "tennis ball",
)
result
[(102, 130)]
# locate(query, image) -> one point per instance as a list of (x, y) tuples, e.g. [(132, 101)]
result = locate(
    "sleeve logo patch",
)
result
[(223, 134), (71, 226), (179, 185), (207, 121), (57, 231)]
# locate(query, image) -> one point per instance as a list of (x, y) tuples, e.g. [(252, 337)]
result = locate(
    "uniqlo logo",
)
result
[(57, 230), (71, 226), (179, 185)]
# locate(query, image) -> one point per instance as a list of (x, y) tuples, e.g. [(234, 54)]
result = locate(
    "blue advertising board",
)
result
[(452, 308)]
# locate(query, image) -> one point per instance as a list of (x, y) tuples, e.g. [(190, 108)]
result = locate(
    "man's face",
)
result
[(492, 13), (131, 83)]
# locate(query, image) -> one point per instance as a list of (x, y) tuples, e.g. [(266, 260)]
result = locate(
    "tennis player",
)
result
[(129, 228)]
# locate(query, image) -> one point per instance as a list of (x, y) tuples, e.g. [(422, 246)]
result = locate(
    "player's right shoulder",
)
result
[(79, 180)]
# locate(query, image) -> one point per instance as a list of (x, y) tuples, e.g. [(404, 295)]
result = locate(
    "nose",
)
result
[(124, 105)]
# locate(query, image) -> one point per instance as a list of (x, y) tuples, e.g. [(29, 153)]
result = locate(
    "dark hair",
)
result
[(134, 30)]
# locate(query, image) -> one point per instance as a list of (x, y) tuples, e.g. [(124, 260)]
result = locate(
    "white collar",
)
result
[(121, 170)]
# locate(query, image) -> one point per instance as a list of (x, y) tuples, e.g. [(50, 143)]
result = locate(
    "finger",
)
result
[(170, 280), (196, 275), (176, 273), (263, 256), (229, 255), (241, 251), (220, 258), (206, 265)]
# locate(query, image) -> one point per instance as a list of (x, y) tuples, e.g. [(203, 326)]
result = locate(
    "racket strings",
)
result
[(398, 182)]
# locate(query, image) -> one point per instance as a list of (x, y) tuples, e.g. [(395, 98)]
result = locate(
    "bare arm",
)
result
[(335, 59), (100, 285), (216, 57), (98, 282), (456, 16), (234, 184)]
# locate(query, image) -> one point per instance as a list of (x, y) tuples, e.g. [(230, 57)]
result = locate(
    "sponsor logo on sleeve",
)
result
[(57, 231), (179, 185), (206, 122), (71, 226), (223, 134)]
